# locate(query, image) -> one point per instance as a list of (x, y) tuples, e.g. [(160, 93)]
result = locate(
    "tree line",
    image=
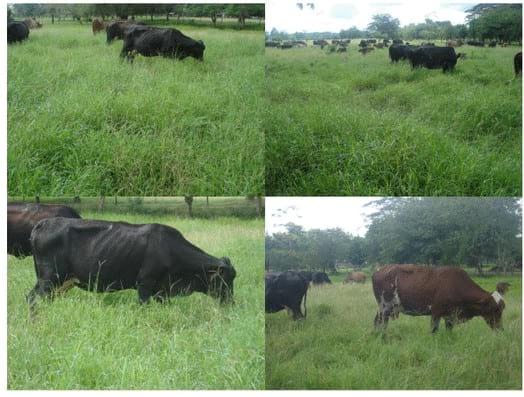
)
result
[(125, 11), (502, 22), (472, 232)]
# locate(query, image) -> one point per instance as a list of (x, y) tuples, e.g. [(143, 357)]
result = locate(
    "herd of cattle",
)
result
[(103, 256), (425, 54), (138, 38), (440, 292)]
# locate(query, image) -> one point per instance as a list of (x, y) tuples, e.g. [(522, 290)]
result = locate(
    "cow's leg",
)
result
[(44, 289), (378, 319), (449, 323), (435, 321), (148, 281)]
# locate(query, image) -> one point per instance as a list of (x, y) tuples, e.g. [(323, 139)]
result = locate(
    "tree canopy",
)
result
[(384, 26), (121, 10), (432, 231), (501, 22)]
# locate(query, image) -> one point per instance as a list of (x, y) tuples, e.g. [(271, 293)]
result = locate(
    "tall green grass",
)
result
[(335, 347), (358, 125), (81, 121), (85, 340)]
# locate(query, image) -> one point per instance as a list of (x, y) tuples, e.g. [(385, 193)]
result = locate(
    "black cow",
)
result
[(117, 29), (286, 291), (106, 256), (22, 217), (308, 276), (320, 278), (17, 32), (397, 41), (475, 43), (399, 52), (517, 63), (434, 58), (492, 43), (167, 42)]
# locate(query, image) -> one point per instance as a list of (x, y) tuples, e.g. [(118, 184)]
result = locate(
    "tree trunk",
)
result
[(167, 16), (37, 199), (116, 200), (479, 269), (53, 18), (259, 206), (189, 202), (101, 203)]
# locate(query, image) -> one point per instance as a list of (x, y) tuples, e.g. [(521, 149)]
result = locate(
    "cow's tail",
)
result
[(305, 307)]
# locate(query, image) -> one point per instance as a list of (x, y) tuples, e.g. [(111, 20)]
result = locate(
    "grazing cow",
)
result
[(166, 42), (379, 45), (98, 25), (434, 58), (502, 287), (342, 49), (365, 50), (319, 278), (286, 291), (400, 52), (355, 277), (517, 64), (492, 44), (22, 217), (272, 43), (32, 23), (299, 43), (442, 292), (117, 29), (475, 43), (285, 46), (397, 41), (17, 32), (306, 274), (103, 256)]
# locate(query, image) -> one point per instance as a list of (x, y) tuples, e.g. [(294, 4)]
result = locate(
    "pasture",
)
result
[(85, 340), (336, 347), (347, 124), (81, 121)]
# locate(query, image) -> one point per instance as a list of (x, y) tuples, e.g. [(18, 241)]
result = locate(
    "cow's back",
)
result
[(418, 288), (108, 253)]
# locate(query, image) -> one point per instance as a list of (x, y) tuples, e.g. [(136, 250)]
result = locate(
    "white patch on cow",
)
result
[(393, 307), (496, 295)]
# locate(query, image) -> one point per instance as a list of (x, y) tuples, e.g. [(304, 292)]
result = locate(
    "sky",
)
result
[(347, 213), (333, 16)]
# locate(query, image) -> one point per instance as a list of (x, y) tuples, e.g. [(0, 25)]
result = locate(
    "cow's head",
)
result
[(221, 281), (196, 50), (494, 308)]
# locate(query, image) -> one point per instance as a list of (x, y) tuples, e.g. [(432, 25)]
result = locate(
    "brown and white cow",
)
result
[(441, 292)]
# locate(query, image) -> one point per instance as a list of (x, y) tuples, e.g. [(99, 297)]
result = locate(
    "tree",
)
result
[(496, 21), (384, 26)]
